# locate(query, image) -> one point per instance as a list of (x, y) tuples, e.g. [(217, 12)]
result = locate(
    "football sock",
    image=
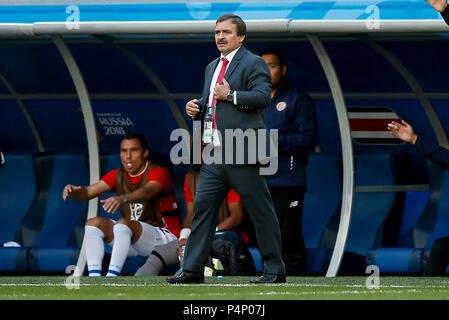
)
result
[(94, 250), (122, 242)]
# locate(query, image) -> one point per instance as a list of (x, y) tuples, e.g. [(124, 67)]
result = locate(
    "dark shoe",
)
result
[(186, 277), (177, 273), (270, 278)]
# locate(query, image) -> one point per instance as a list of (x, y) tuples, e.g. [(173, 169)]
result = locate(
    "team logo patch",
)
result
[(136, 210), (281, 106)]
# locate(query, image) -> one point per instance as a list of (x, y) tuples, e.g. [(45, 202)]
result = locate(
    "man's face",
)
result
[(277, 71), (132, 156), (226, 37)]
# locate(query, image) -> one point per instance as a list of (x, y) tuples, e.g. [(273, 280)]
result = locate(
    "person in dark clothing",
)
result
[(235, 95), (292, 112), (442, 7), (439, 254), (431, 151)]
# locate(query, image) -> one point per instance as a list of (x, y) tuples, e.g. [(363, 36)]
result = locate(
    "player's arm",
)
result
[(186, 225), (235, 217), (189, 216), (150, 190), (81, 194)]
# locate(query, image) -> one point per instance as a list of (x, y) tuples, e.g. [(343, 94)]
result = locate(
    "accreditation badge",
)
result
[(208, 131)]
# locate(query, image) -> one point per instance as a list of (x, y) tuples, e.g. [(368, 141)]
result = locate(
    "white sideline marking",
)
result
[(292, 285), (338, 292)]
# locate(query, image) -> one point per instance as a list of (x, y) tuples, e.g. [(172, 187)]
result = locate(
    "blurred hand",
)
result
[(182, 242), (438, 5), (192, 108), (69, 190), (403, 131), (221, 90), (110, 205)]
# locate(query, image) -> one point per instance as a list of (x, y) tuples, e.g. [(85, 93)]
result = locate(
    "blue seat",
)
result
[(396, 260), (49, 238), (54, 259), (441, 228), (322, 198), (257, 258), (60, 216), (318, 260), (411, 259), (415, 203), (321, 202), (370, 209), (13, 259), (17, 194), (404, 258)]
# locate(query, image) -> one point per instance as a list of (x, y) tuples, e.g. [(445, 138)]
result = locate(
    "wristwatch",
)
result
[(230, 96)]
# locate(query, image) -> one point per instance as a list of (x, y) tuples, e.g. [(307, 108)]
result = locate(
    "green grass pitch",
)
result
[(227, 288)]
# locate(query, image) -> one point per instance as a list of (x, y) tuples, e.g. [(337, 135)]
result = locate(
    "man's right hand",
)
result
[(403, 131), (192, 108), (68, 190), (438, 5), (182, 242)]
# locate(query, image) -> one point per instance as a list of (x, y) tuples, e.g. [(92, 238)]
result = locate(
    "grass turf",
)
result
[(227, 288)]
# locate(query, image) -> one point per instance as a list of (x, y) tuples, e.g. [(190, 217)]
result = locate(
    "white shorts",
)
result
[(150, 238)]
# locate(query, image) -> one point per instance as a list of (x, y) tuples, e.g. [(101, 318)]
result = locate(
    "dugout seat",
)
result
[(321, 201), (405, 257), (48, 225), (370, 209), (441, 228), (413, 258), (17, 194), (415, 204)]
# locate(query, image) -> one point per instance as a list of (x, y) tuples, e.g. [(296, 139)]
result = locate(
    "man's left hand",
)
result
[(110, 205), (222, 90)]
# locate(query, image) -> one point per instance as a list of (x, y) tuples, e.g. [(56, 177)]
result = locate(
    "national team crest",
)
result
[(281, 106), (136, 210)]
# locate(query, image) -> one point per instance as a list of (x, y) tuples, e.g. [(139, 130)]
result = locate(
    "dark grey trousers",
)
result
[(213, 184)]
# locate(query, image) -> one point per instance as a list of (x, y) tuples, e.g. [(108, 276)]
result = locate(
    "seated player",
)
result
[(143, 189)]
